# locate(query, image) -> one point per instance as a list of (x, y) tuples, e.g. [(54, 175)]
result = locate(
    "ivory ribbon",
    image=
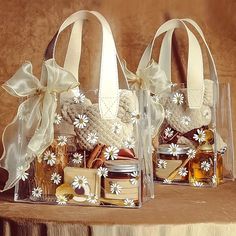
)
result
[(32, 130), (154, 79)]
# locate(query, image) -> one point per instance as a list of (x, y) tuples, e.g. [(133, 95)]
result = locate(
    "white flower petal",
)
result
[(178, 98), (173, 149), (37, 192), (111, 153), (81, 121), (116, 189)]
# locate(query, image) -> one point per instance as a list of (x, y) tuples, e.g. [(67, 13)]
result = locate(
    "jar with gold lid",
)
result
[(207, 167), (171, 164), (121, 184)]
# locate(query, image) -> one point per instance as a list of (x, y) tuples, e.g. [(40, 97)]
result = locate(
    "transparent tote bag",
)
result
[(80, 147), (194, 144)]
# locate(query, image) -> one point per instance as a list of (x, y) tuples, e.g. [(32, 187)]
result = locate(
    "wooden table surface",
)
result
[(173, 205)]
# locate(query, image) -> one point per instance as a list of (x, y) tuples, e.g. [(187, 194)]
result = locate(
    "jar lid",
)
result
[(206, 147), (181, 149), (122, 165)]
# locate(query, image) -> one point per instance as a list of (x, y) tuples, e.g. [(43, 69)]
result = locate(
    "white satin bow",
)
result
[(152, 78), (32, 130)]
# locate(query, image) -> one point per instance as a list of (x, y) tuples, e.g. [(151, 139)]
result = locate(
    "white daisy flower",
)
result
[(129, 143), (205, 165), (79, 181), (50, 158), (61, 200), (77, 158), (37, 192), (167, 181), (178, 98), (79, 97), (129, 202), (168, 114), (191, 153), (206, 114), (102, 172), (173, 149), (23, 114), (56, 178), (197, 184), (135, 117), (183, 171), (134, 180), (81, 121), (168, 132), (92, 198), (111, 153), (61, 140), (57, 119), (200, 136), (162, 164), (92, 138), (214, 179), (116, 128), (185, 120), (116, 189), (21, 174), (156, 99)]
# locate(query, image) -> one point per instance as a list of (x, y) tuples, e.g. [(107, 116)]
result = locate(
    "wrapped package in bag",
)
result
[(194, 143), (69, 146)]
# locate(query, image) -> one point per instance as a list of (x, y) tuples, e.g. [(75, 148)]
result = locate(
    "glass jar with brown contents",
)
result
[(203, 168), (171, 164), (122, 183), (46, 172)]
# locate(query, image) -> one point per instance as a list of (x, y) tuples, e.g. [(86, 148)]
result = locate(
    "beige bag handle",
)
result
[(109, 84), (165, 52), (195, 79)]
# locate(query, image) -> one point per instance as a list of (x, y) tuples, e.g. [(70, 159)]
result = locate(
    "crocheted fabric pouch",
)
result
[(100, 148), (190, 145)]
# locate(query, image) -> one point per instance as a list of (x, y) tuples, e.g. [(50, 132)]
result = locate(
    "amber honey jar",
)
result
[(203, 169), (171, 164), (121, 185), (46, 172)]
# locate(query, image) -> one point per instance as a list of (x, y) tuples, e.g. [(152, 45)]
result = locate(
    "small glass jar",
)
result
[(46, 172), (169, 165), (122, 184), (202, 167)]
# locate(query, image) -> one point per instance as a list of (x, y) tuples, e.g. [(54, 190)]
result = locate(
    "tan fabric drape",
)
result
[(176, 211)]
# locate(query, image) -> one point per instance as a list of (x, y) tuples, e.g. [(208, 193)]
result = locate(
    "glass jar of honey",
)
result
[(205, 168), (46, 172), (171, 164), (122, 183)]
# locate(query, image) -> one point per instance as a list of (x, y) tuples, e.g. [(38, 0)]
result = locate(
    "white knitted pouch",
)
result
[(181, 117), (115, 132)]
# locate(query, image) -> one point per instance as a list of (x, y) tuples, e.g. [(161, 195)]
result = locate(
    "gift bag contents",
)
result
[(189, 138), (73, 146), (186, 143), (99, 165)]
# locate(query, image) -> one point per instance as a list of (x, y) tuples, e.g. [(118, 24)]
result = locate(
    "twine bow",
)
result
[(32, 130)]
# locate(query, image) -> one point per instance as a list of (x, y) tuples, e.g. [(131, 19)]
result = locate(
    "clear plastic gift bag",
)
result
[(194, 143), (78, 147)]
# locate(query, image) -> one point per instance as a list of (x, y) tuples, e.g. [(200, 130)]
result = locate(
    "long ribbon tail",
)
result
[(157, 117), (14, 142)]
